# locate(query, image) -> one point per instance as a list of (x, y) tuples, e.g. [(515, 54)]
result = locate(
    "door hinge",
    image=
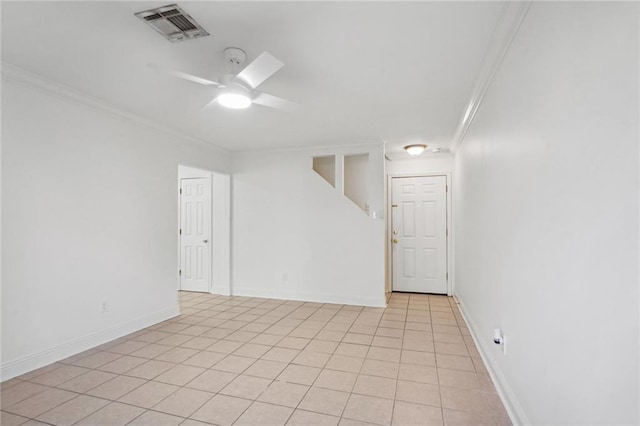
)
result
[(180, 231), (446, 188), (181, 190), (180, 272), (447, 232), (447, 276)]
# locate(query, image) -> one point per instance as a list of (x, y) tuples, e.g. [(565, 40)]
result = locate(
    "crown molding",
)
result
[(511, 17), (20, 76), (423, 156), (319, 149)]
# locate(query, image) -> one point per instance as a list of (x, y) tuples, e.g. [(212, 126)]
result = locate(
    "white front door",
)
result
[(195, 232), (419, 234)]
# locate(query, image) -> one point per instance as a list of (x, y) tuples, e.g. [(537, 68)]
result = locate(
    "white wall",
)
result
[(90, 213), (440, 163), (546, 203), (287, 220)]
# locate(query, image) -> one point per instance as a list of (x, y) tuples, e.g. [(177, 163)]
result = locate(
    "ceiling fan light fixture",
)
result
[(234, 100), (415, 149), (234, 96)]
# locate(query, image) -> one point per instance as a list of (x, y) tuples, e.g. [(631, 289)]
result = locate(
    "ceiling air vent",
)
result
[(173, 23)]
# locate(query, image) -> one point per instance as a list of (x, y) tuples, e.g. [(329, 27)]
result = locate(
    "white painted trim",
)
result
[(450, 252), (389, 234), (186, 171), (424, 156), (220, 248), (315, 149), (17, 75), (506, 394), (34, 361), (638, 129), (340, 299), (1, 257), (511, 17)]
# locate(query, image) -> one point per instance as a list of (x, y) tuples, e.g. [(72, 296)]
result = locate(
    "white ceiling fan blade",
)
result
[(193, 78), (212, 102), (263, 67), (271, 101), (185, 76)]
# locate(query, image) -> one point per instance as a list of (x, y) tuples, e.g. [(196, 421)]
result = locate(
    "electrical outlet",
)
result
[(500, 339), (104, 307)]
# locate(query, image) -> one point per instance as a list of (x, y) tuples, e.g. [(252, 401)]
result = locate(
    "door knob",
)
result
[(205, 241), (395, 241)]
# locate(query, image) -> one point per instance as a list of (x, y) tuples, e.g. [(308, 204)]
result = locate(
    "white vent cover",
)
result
[(173, 23)]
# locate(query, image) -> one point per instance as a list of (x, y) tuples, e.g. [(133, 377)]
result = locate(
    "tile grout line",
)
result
[(199, 311), (310, 386), (359, 370)]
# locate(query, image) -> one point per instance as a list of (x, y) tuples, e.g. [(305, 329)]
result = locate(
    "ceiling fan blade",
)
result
[(263, 67), (212, 102), (185, 76), (271, 101), (193, 78)]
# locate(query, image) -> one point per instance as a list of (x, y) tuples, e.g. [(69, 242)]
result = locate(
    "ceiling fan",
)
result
[(237, 89)]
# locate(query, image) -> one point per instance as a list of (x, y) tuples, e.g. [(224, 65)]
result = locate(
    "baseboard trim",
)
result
[(506, 394), (221, 290), (376, 302), (34, 361)]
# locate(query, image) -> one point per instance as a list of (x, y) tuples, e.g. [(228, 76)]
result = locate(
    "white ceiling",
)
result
[(361, 71)]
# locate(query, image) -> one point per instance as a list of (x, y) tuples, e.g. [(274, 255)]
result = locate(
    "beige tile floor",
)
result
[(249, 361)]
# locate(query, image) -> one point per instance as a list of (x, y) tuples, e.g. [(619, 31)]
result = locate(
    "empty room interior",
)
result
[(320, 213)]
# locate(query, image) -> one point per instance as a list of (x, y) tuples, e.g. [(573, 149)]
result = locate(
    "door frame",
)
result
[(449, 215), (220, 242)]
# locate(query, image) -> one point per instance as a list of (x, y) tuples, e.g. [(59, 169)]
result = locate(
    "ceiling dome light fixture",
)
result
[(415, 149), (234, 100), (234, 97)]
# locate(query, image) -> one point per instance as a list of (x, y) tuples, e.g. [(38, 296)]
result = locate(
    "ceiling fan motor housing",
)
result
[(230, 81)]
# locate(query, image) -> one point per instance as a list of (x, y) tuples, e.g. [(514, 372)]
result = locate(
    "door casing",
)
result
[(220, 243), (389, 244)]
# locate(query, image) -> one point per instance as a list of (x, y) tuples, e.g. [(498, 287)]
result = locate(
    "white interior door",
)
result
[(419, 233), (195, 233)]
